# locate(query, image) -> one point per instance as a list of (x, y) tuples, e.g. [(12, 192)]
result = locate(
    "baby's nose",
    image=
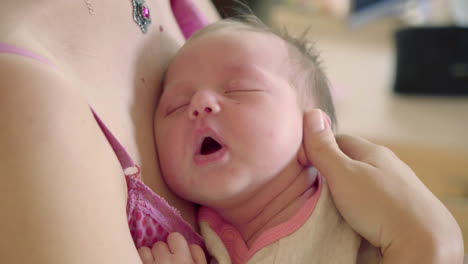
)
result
[(203, 104)]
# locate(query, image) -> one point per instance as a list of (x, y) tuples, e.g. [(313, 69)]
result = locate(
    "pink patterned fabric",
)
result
[(150, 217)]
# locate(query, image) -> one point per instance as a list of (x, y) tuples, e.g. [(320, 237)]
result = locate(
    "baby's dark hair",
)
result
[(307, 75)]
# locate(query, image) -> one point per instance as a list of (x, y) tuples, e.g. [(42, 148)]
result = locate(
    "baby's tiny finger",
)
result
[(177, 244), (198, 255), (160, 250), (146, 255)]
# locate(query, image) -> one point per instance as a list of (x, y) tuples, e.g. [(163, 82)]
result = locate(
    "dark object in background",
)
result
[(229, 8), (261, 8), (432, 61), (364, 11)]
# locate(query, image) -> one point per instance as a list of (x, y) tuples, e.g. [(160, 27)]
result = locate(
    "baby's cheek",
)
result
[(163, 148)]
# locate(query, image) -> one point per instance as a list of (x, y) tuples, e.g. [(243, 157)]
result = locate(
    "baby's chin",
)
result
[(221, 198)]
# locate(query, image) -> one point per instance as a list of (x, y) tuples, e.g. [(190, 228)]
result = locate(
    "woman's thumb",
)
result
[(320, 145)]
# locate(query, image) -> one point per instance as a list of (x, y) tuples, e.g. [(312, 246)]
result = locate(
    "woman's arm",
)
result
[(62, 192)]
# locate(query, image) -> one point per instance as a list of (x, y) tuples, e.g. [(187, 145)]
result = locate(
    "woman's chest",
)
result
[(129, 117)]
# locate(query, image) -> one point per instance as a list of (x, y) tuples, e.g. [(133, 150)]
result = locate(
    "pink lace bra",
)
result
[(150, 217)]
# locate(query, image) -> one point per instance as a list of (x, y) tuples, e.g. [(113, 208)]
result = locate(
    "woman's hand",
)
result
[(381, 197), (175, 251)]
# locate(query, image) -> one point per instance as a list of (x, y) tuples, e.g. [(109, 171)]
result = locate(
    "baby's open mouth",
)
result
[(209, 146)]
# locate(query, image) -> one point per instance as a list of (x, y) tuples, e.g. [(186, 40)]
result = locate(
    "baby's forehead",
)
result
[(245, 42), (243, 35), (232, 50)]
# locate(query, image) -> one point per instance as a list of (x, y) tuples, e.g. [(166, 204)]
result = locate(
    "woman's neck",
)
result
[(273, 204)]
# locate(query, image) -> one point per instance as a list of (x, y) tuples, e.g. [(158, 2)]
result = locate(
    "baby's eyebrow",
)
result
[(249, 69), (244, 68), (178, 89)]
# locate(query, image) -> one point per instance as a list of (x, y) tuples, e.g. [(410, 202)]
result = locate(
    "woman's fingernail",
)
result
[(316, 120)]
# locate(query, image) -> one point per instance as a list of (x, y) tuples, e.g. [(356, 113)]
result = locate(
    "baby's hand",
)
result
[(175, 251)]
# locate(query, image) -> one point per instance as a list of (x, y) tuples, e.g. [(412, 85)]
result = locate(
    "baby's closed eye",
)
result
[(173, 103), (174, 108), (241, 86)]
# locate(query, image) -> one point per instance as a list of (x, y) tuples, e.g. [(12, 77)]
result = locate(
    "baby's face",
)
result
[(228, 120)]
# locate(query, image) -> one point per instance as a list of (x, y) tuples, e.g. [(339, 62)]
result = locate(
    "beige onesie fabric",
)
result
[(325, 238)]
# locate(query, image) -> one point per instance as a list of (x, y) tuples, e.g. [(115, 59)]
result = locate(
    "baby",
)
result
[(229, 130)]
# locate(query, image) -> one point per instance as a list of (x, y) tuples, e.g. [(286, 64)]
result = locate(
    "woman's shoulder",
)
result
[(43, 113), (60, 171), (32, 86)]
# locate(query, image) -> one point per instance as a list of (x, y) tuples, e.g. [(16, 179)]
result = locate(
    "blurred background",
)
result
[(399, 76)]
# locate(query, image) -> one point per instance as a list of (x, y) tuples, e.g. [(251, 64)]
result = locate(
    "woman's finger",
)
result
[(354, 147), (365, 151), (146, 255), (198, 255), (320, 147)]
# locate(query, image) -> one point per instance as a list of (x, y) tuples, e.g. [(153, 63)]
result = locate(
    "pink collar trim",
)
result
[(233, 241)]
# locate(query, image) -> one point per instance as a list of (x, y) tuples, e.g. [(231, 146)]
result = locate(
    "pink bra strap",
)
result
[(7, 48), (123, 156), (188, 16)]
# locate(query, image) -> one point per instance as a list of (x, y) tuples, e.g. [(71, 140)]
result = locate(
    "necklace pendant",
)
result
[(141, 14)]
